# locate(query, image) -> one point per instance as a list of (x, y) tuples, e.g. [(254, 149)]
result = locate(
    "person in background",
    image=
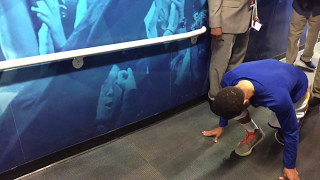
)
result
[(229, 37), (304, 11), (117, 99), (285, 92), (16, 42), (164, 18), (52, 13), (315, 100)]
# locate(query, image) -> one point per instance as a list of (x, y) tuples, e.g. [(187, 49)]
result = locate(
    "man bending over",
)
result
[(280, 87)]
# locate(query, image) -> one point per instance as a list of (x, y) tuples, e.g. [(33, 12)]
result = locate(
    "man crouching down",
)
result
[(280, 87)]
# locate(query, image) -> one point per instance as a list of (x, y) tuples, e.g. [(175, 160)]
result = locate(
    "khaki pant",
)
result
[(297, 25), (226, 55), (316, 83)]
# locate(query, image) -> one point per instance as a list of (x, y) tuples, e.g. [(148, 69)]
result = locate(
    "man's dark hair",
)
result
[(229, 102)]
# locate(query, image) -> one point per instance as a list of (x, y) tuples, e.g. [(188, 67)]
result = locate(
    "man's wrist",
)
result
[(293, 166), (289, 168), (215, 24)]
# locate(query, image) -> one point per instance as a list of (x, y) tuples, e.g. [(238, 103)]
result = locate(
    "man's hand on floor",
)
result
[(215, 132), (290, 174)]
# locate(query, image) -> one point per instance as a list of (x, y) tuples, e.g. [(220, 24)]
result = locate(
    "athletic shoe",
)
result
[(245, 147), (279, 137)]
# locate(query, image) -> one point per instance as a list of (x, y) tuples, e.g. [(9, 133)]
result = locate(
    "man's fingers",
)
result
[(207, 133), (218, 38), (44, 19), (52, 3), (216, 139), (130, 72), (282, 178), (115, 68), (39, 10), (122, 75)]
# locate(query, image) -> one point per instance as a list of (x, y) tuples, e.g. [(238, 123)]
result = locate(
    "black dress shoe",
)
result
[(309, 64), (314, 101)]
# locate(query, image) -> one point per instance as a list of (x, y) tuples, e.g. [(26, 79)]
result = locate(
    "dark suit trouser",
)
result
[(226, 55)]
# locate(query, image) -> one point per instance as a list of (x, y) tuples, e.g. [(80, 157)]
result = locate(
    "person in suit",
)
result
[(304, 12), (229, 37)]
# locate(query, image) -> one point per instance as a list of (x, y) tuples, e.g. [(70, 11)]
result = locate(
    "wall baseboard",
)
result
[(91, 143), (283, 55)]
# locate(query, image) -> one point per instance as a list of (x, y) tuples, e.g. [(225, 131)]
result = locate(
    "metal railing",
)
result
[(79, 54)]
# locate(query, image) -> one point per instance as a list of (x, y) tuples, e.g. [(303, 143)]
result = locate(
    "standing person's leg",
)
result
[(316, 88), (311, 39), (239, 50), (297, 24), (220, 57)]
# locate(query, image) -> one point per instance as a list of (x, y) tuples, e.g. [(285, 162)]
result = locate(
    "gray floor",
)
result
[(175, 149)]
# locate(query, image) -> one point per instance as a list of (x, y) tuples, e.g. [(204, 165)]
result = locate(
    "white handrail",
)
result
[(27, 61)]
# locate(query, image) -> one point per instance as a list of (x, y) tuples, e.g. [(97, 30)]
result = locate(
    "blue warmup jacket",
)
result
[(277, 86)]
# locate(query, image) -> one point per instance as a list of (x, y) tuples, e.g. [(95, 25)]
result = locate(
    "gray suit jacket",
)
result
[(233, 16)]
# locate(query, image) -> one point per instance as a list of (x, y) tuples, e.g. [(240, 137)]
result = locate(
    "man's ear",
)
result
[(213, 107), (246, 102)]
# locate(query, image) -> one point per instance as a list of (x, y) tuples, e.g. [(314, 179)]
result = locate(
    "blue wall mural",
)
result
[(46, 108)]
